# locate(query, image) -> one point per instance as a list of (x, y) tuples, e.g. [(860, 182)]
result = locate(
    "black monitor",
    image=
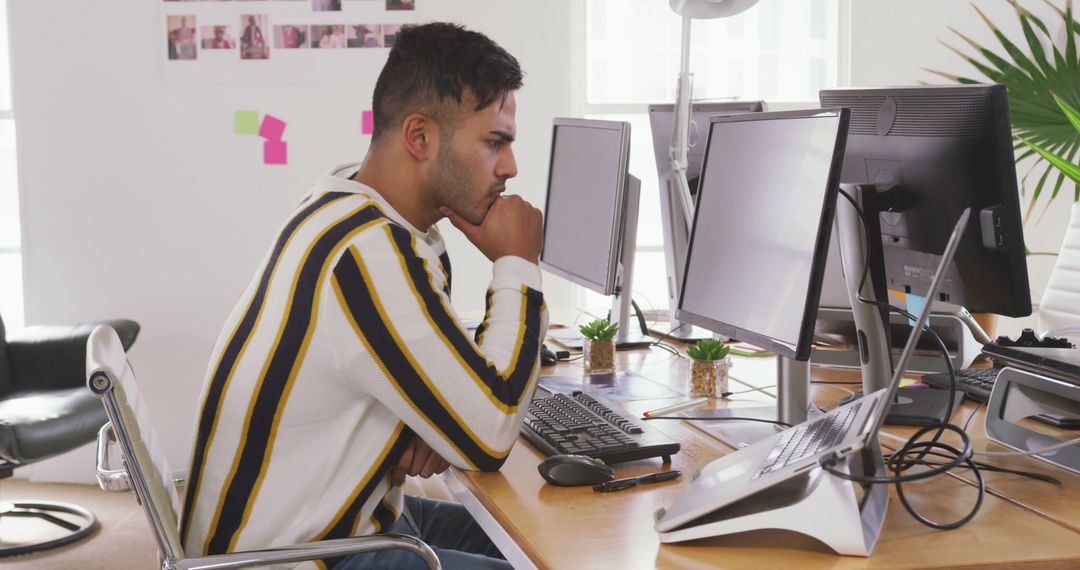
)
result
[(916, 158), (590, 216), (762, 223), (931, 152)]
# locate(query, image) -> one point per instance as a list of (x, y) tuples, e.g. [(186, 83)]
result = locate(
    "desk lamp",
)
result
[(678, 188), (691, 10)]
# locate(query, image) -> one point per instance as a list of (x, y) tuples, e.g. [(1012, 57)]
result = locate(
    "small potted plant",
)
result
[(599, 346), (709, 367)]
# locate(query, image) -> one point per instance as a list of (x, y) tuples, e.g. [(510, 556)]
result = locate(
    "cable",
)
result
[(972, 416), (720, 418), (640, 318), (747, 391), (1055, 447), (899, 461)]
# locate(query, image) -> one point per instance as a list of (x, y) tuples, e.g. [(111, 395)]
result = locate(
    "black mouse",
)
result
[(569, 470), (547, 356)]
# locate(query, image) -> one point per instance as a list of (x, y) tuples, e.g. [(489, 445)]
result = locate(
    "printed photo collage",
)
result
[(255, 36)]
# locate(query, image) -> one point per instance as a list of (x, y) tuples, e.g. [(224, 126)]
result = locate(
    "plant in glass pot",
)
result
[(709, 366), (599, 346)]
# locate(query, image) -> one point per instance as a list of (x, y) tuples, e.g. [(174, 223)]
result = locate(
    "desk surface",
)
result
[(1022, 523)]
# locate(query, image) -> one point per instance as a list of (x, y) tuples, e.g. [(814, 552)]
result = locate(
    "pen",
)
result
[(676, 407), (620, 484)]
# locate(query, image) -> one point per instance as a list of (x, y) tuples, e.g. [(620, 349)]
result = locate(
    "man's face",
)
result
[(475, 161)]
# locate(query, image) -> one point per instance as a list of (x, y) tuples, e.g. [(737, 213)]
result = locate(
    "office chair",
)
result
[(44, 411), (147, 473)]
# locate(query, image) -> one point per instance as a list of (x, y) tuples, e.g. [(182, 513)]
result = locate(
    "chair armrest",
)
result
[(54, 356), (310, 551), (109, 479)]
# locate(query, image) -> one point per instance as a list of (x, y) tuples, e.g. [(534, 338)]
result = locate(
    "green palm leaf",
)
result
[(1043, 79)]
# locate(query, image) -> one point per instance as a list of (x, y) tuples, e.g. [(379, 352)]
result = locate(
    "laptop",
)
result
[(841, 432), (1060, 363)]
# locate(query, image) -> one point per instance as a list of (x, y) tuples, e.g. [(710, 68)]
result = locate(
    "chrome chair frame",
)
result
[(102, 383)]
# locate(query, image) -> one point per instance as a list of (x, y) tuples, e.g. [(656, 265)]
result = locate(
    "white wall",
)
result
[(138, 201)]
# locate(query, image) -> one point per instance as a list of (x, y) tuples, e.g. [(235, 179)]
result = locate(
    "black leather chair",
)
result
[(45, 410)]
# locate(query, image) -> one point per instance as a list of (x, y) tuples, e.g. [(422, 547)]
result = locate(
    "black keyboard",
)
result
[(976, 383), (808, 439), (581, 424)]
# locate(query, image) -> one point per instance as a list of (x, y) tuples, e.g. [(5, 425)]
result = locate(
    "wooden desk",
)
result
[(1022, 523)]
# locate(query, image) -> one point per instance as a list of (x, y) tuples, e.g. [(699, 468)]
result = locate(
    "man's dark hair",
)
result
[(431, 66)]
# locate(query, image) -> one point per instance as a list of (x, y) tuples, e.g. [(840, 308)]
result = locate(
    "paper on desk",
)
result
[(618, 387)]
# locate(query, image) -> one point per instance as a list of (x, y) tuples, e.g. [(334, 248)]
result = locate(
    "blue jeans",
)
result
[(447, 528)]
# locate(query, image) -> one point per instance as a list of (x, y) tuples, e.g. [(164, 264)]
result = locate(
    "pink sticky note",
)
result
[(368, 122), (275, 152), (271, 128)]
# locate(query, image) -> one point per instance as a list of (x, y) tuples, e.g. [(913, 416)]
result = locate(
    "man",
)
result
[(343, 367)]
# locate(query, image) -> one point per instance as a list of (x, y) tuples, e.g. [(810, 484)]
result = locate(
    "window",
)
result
[(780, 51), (11, 297)]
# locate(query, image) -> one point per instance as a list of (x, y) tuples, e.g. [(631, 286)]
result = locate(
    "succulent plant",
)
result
[(708, 349), (599, 329)]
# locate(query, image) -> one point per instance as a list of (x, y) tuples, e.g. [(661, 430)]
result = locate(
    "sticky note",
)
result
[(275, 152), (367, 122), (246, 122), (914, 306), (272, 128)]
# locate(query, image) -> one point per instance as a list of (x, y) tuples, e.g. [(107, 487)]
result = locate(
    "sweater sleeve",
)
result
[(465, 398)]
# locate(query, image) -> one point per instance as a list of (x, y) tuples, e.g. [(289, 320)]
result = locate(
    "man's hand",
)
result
[(418, 459), (512, 227)]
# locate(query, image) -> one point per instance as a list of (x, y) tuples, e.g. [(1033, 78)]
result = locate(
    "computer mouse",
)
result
[(547, 356), (570, 470)]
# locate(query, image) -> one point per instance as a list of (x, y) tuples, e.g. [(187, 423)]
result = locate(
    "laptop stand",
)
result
[(844, 515), (1020, 394)]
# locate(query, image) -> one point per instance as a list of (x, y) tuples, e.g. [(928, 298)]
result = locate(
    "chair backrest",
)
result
[(1060, 307), (110, 378), (5, 366)]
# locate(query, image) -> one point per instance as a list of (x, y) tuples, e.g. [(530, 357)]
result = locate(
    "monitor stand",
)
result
[(911, 407), (682, 332), (792, 408)]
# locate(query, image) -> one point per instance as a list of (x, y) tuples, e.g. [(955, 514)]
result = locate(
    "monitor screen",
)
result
[(584, 212), (762, 225)]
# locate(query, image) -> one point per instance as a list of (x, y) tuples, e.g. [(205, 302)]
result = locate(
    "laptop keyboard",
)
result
[(808, 439)]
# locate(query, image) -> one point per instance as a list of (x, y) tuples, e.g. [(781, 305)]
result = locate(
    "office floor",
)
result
[(122, 541)]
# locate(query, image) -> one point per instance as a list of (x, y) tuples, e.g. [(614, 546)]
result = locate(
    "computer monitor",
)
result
[(590, 217), (762, 224), (675, 227), (917, 157)]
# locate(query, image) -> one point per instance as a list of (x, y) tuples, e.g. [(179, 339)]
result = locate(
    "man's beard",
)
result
[(451, 184)]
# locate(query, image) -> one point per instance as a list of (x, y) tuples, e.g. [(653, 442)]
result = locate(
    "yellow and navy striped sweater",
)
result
[(344, 346)]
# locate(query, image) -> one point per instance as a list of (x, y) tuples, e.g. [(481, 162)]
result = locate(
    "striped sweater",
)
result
[(343, 347)]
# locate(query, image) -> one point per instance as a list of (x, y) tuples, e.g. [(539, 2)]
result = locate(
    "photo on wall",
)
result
[(290, 37), (326, 5), (181, 36), (400, 4), (252, 41), (390, 33), (364, 36), (217, 37), (328, 37)]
